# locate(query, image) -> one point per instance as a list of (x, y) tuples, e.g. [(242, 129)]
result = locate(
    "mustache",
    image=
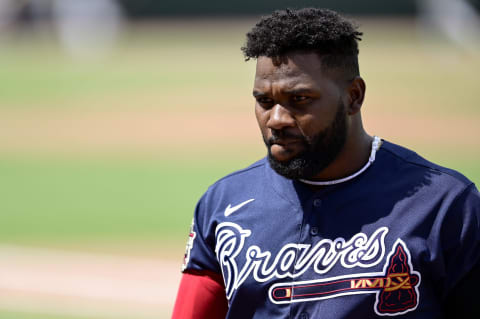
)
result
[(278, 135)]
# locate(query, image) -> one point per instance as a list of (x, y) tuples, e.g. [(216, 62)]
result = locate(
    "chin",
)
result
[(295, 168), (284, 155), (283, 158)]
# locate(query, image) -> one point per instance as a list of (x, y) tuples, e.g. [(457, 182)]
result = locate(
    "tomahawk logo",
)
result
[(396, 288)]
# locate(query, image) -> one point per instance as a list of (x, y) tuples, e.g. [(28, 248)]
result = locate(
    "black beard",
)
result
[(320, 150)]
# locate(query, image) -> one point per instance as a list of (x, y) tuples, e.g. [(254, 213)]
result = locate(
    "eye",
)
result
[(300, 98), (264, 101)]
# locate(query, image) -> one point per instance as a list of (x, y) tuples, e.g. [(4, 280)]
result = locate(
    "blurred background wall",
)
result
[(249, 7), (115, 116)]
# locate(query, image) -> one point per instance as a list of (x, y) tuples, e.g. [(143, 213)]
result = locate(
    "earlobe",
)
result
[(356, 95)]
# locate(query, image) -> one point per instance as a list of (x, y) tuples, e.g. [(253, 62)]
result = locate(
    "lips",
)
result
[(284, 145), (285, 149), (286, 142), (283, 138)]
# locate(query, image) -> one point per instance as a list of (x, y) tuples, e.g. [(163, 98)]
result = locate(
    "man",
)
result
[(334, 223)]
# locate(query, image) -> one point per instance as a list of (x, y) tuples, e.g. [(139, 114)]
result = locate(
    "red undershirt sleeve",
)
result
[(201, 295)]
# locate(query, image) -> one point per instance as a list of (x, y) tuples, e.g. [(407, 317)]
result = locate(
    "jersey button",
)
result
[(317, 202), (304, 315), (314, 231)]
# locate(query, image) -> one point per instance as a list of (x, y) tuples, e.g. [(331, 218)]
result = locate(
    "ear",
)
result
[(355, 94)]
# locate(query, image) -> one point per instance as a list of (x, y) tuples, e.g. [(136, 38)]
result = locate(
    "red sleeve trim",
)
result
[(201, 295)]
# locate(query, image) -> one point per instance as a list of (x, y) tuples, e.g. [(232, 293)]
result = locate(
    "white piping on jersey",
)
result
[(375, 146)]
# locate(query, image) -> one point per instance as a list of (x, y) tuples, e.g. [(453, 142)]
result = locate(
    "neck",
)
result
[(353, 156), (374, 148)]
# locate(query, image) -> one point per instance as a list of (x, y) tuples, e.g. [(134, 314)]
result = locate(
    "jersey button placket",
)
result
[(314, 229)]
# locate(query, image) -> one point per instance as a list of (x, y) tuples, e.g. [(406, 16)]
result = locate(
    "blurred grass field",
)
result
[(89, 187)]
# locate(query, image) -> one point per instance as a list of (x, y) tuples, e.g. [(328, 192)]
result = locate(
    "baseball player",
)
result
[(334, 222)]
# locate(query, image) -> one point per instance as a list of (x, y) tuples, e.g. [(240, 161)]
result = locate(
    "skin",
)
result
[(296, 97)]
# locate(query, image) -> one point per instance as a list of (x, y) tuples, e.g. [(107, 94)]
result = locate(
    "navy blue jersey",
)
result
[(396, 240)]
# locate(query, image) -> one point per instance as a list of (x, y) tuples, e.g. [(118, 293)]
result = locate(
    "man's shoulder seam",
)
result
[(434, 167), (242, 171)]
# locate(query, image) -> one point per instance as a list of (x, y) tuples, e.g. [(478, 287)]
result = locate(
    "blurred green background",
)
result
[(110, 153)]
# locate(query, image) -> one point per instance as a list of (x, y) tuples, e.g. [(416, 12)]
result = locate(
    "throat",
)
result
[(376, 143)]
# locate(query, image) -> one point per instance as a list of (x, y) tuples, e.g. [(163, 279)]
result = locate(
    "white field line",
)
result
[(65, 282)]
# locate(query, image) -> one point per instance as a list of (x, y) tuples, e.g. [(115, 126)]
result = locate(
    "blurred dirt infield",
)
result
[(84, 131), (61, 282)]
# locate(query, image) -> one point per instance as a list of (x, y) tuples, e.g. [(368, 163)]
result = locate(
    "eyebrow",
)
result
[(291, 92), (298, 91), (258, 93)]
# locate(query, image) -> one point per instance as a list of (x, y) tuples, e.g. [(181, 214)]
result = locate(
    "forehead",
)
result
[(291, 70)]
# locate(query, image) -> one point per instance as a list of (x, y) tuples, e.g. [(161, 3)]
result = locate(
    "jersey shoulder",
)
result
[(238, 187), (409, 157), (242, 183), (249, 175)]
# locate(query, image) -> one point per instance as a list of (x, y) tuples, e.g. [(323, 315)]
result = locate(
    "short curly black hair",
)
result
[(323, 31)]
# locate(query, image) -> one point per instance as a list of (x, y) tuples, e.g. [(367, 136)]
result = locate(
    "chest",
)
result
[(324, 260)]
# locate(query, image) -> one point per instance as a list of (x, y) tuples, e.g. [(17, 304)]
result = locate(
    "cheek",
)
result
[(308, 125), (317, 121)]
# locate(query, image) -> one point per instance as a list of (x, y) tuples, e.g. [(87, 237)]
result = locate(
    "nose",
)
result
[(280, 118)]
